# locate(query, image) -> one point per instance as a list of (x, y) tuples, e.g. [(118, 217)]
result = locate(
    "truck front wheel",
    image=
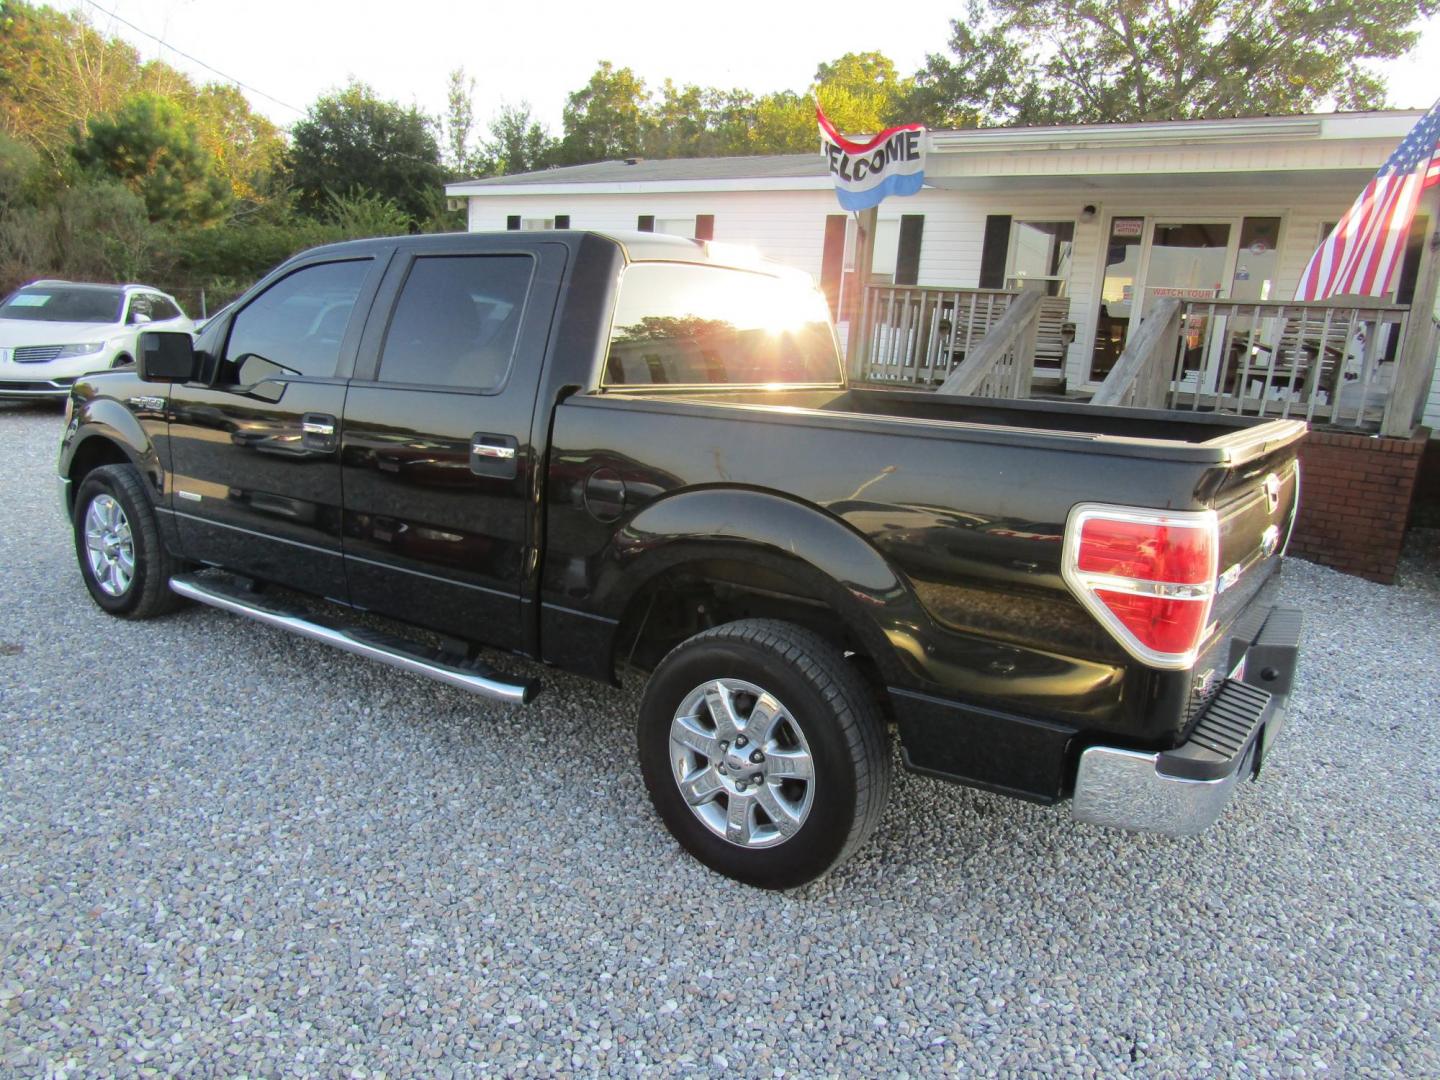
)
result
[(117, 540), (763, 752)]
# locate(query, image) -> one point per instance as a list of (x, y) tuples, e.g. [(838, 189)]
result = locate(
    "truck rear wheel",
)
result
[(763, 752)]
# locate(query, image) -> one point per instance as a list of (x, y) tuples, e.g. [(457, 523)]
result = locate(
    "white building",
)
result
[(1195, 209)]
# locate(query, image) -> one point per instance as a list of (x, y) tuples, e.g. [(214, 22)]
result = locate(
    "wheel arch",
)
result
[(102, 431), (701, 558)]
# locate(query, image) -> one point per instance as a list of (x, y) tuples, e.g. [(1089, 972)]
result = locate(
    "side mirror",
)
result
[(166, 356)]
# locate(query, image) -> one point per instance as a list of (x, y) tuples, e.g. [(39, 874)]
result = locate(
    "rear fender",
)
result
[(875, 603)]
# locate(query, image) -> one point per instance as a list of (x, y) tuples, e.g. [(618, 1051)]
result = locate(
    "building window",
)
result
[(645, 223), (704, 226), (562, 221), (1041, 251), (512, 223)]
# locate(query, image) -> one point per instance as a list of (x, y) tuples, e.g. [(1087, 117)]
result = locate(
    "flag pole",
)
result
[(1415, 364)]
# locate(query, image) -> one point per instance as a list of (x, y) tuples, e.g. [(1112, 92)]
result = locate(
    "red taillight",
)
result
[(1145, 551), (1147, 575)]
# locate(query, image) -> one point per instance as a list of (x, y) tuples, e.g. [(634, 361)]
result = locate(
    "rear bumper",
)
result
[(1183, 791)]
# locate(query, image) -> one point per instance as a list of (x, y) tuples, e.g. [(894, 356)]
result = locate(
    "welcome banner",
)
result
[(892, 163)]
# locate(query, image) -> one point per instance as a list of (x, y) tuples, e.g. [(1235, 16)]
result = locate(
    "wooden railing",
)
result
[(916, 335), (1003, 363), (1329, 363)]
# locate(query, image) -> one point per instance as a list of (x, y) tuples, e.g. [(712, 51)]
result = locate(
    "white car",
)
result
[(52, 332)]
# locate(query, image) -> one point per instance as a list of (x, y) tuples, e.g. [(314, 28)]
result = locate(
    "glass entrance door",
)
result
[(1189, 261)]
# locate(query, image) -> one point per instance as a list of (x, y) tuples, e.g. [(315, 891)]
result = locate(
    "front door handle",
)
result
[(317, 431), (494, 455)]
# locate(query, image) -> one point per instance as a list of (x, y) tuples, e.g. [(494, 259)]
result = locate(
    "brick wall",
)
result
[(1355, 494)]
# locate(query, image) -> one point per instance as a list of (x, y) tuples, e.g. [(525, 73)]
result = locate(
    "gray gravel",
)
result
[(224, 851)]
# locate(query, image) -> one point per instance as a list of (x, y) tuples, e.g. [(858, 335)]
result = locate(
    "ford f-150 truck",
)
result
[(640, 452)]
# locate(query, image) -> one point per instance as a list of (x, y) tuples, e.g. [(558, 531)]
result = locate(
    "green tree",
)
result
[(352, 139), (457, 126), (150, 146), (248, 150), (607, 118), (519, 143), (1095, 61), (861, 92)]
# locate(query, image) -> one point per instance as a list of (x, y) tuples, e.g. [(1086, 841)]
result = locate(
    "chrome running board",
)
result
[(397, 652)]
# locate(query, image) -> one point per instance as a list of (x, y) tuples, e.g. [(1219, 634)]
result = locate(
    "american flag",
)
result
[(1363, 252)]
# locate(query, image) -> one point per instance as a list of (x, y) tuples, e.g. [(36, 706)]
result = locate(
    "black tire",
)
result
[(836, 716), (147, 592)]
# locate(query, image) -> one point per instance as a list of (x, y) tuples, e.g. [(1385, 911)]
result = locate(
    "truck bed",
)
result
[(1198, 437)]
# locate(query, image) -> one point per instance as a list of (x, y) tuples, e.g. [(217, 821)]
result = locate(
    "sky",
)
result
[(288, 52)]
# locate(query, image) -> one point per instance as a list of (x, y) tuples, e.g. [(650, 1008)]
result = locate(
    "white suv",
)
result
[(52, 332)]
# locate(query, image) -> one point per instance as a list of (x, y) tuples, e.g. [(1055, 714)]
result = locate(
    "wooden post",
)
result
[(864, 256), (1415, 365)]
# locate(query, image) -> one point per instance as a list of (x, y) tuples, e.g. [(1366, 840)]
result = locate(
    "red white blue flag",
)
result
[(1363, 252), (892, 163)]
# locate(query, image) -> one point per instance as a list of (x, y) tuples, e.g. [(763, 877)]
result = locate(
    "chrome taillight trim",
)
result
[(1084, 584)]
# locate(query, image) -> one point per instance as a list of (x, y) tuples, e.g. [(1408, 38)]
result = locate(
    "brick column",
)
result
[(1355, 494)]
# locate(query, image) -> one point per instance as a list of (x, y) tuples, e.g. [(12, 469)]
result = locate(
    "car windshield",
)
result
[(64, 303)]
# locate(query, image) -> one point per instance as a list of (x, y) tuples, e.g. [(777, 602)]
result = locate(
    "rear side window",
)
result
[(296, 326), (457, 321), (678, 324)]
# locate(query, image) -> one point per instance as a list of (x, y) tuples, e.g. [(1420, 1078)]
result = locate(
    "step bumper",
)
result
[(1183, 791)]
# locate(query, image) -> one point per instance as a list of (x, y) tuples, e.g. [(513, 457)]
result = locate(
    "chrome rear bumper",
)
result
[(1183, 791)]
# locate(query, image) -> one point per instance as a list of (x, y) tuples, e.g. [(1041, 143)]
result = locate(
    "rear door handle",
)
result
[(317, 431), (494, 455)]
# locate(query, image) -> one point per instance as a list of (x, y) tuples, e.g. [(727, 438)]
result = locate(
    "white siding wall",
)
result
[(789, 226)]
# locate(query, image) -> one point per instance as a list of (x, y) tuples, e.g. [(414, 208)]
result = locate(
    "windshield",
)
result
[(680, 324), (64, 303)]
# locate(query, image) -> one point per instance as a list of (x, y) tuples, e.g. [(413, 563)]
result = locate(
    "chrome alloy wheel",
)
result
[(109, 545), (742, 763)]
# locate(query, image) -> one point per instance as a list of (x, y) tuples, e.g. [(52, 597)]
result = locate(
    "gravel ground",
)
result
[(225, 851)]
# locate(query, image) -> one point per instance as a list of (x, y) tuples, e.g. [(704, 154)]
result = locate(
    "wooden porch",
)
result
[(1364, 368)]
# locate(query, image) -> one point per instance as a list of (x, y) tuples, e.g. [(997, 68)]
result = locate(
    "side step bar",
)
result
[(395, 651)]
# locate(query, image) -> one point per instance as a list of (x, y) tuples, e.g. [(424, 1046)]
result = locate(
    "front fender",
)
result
[(94, 416), (873, 599)]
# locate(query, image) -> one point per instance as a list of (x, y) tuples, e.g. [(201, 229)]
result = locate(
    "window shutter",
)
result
[(512, 223), (995, 251), (907, 259), (704, 226), (832, 262), (562, 221), (646, 223)]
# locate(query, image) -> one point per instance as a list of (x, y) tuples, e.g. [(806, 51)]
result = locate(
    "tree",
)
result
[(861, 92), (57, 73), (606, 118), (352, 139), (1096, 61), (461, 158), (518, 143), (247, 148), (150, 146)]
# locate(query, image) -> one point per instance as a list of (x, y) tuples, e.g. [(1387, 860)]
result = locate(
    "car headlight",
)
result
[(83, 349)]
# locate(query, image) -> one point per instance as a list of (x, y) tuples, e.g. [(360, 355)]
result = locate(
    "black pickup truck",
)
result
[(638, 452)]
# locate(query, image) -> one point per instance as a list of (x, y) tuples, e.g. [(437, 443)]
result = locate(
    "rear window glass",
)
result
[(685, 325), (61, 304), (457, 321)]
